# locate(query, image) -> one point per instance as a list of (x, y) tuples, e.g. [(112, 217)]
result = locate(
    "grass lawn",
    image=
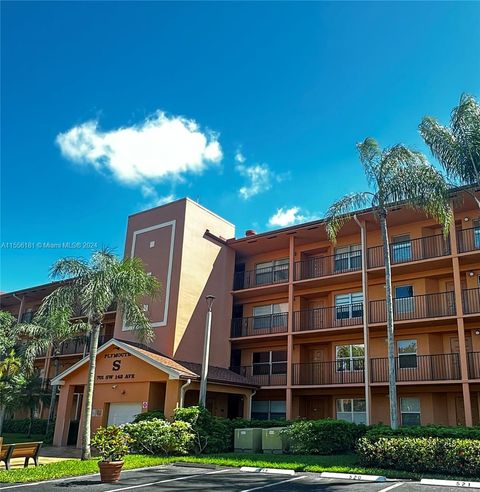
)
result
[(12, 438), (343, 463)]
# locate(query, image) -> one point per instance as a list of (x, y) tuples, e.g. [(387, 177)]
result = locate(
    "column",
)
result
[(62, 422), (172, 392), (291, 267)]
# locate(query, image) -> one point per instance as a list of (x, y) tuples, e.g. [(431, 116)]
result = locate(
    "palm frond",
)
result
[(343, 210), (370, 157)]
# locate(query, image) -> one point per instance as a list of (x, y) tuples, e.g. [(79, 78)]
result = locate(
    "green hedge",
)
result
[(20, 426), (152, 414), (326, 436), (458, 432), (460, 457)]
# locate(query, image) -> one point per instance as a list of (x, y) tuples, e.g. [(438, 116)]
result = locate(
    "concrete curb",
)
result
[(450, 483), (354, 476), (278, 471)]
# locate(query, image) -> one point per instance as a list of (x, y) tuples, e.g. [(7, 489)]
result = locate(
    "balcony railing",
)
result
[(468, 239), (440, 367), (277, 274), (324, 266), (78, 345), (262, 374), (473, 360), (471, 301), (326, 373), (259, 325), (415, 307), (413, 250), (328, 317)]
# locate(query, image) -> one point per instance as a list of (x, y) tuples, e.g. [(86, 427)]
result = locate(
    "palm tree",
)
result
[(457, 147), (48, 331), (93, 286), (396, 174)]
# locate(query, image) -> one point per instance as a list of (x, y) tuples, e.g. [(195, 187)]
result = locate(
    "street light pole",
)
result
[(206, 353)]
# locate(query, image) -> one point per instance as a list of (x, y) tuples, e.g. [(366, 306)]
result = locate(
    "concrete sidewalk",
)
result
[(48, 454)]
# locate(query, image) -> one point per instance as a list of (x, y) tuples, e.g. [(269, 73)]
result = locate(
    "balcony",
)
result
[(262, 374), (471, 301), (473, 361), (328, 317), (468, 239), (259, 325), (324, 266), (328, 373), (416, 307), (79, 345), (260, 277), (423, 248), (440, 367)]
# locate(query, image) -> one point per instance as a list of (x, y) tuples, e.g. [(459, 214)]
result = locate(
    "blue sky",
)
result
[(108, 108)]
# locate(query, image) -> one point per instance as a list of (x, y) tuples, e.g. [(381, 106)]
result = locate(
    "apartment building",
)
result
[(295, 331)]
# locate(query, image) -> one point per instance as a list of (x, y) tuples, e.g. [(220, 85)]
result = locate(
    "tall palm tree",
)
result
[(48, 331), (93, 286), (457, 147), (395, 174)]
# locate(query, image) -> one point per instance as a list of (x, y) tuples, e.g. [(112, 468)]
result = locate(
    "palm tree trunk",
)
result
[(53, 396), (392, 383), (30, 424), (87, 416), (2, 417)]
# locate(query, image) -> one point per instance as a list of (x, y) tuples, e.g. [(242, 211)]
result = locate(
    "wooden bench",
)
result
[(27, 450)]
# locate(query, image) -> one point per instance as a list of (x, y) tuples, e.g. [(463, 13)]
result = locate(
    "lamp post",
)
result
[(206, 353)]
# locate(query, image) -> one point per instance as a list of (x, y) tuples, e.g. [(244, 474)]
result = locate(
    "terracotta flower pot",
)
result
[(110, 470)]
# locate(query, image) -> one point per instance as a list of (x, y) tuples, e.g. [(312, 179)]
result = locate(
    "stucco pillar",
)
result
[(291, 267), (62, 422), (172, 398)]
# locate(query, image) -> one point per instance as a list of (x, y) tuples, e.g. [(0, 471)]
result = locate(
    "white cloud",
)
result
[(284, 217), (259, 178), (239, 157), (154, 199), (161, 147)]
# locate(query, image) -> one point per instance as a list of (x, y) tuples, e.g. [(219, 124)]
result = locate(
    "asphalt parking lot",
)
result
[(182, 479)]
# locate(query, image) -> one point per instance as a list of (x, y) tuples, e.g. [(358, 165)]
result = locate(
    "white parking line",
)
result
[(269, 485), (394, 486), (131, 487)]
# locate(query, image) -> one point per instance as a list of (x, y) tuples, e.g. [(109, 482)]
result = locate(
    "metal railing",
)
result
[(328, 317), (411, 367), (78, 345), (471, 301), (327, 373), (468, 239), (473, 362), (415, 307), (323, 266), (261, 374), (412, 250), (259, 277), (259, 325)]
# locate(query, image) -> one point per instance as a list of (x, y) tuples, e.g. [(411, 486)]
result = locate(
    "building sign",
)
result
[(112, 367)]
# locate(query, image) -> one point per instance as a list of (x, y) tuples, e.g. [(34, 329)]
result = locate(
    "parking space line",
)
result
[(394, 486), (269, 485), (131, 487)]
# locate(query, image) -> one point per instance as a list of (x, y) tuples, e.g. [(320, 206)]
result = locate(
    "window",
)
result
[(271, 362), (410, 410), (349, 305), (270, 316), (407, 354), (350, 357), (476, 233), (404, 302), (352, 410), (401, 248), (269, 410), (271, 272), (27, 316), (348, 258)]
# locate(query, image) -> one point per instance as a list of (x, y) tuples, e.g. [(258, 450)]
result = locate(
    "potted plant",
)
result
[(112, 444)]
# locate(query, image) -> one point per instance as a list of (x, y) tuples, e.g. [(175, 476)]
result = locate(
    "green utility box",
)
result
[(248, 440), (273, 442)]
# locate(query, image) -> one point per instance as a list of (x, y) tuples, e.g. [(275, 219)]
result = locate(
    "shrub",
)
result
[(212, 434), (458, 432), (325, 436), (422, 454), (239, 423), (152, 414), (160, 437), (20, 426), (111, 443)]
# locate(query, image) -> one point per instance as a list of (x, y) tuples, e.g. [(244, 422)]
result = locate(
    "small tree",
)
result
[(396, 174), (93, 286)]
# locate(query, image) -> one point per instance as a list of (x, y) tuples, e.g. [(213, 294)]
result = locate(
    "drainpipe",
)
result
[(183, 391), (250, 398), (365, 320)]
